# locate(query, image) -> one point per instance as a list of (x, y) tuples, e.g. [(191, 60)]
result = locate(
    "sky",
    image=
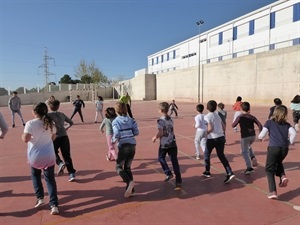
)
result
[(117, 35)]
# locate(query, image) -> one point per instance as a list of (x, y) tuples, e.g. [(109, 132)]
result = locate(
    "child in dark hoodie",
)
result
[(124, 131)]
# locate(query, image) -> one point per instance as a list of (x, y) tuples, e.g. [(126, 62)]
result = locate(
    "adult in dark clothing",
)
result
[(78, 104)]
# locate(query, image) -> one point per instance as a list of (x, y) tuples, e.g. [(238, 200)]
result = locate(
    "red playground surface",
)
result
[(97, 195)]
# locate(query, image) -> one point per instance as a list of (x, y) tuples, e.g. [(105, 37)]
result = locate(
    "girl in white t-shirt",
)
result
[(39, 133)]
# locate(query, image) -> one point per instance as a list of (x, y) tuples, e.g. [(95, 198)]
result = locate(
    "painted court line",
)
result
[(246, 184)]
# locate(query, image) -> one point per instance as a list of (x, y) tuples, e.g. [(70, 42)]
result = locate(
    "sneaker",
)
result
[(61, 168), (39, 203), (273, 195), (54, 210), (177, 186), (254, 162), (13, 126), (198, 157), (23, 124), (128, 191), (206, 174), (168, 177), (229, 177), (283, 182), (72, 177), (248, 171)]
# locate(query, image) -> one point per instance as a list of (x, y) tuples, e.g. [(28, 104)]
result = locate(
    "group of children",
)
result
[(47, 133), (210, 133)]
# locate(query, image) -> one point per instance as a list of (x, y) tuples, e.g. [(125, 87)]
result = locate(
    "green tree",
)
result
[(89, 73), (66, 79), (20, 90), (3, 91)]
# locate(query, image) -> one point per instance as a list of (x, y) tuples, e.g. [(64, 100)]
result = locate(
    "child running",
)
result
[(237, 110), (173, 108), (223, 114), (167, 144), (62, 140), (295, 107), (215, 139), (277, 102), (99, 108), (247, 121), (124, 131), (110, 115), (281, 135), (39, 133), (201, 128)]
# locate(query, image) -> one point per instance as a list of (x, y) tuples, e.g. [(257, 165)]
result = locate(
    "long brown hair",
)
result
[(41, 110), (280, 114)]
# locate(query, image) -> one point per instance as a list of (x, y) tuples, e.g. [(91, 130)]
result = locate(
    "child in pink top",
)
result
[(110, 115), (237, 108)]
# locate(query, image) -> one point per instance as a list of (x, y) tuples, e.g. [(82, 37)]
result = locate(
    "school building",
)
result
[(256, 56)]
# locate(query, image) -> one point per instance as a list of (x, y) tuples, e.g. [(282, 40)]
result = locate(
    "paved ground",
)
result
[(97, 195)]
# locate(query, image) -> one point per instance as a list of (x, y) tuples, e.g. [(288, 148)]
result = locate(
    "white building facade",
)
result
[(271, 27)]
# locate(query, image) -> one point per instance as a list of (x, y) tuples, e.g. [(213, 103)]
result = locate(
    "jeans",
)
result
[(247, 150), (123, 164), (172, 152), (274, 166), (36, 176), (64, 144), (219, 144)]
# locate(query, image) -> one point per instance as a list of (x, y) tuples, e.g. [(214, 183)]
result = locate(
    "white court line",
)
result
[(292, 168), (246, 184)]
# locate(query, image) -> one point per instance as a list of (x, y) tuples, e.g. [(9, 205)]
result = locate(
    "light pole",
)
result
[(199, 23)]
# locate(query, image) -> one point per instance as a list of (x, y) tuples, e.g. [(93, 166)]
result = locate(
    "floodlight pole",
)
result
[(199, 23)]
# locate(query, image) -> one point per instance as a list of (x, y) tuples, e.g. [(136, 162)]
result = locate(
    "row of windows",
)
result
[(189, 55), (295, 41), (165, 57), (247, 29)]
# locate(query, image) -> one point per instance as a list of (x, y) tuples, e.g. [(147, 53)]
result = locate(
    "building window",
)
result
[(272, 20), (156, 60), (272, 46), (174, 54), (220, 58), (162, 58), (234, 33), (220, 38), (251, 27), (234, 55), (296, 12), (296, 41), (168, 56), (251, 51), (152, 61), (208, 61)]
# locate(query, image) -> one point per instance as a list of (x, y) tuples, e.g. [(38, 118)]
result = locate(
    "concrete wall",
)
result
[(141, 87), (62, 96), (258, 78)]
